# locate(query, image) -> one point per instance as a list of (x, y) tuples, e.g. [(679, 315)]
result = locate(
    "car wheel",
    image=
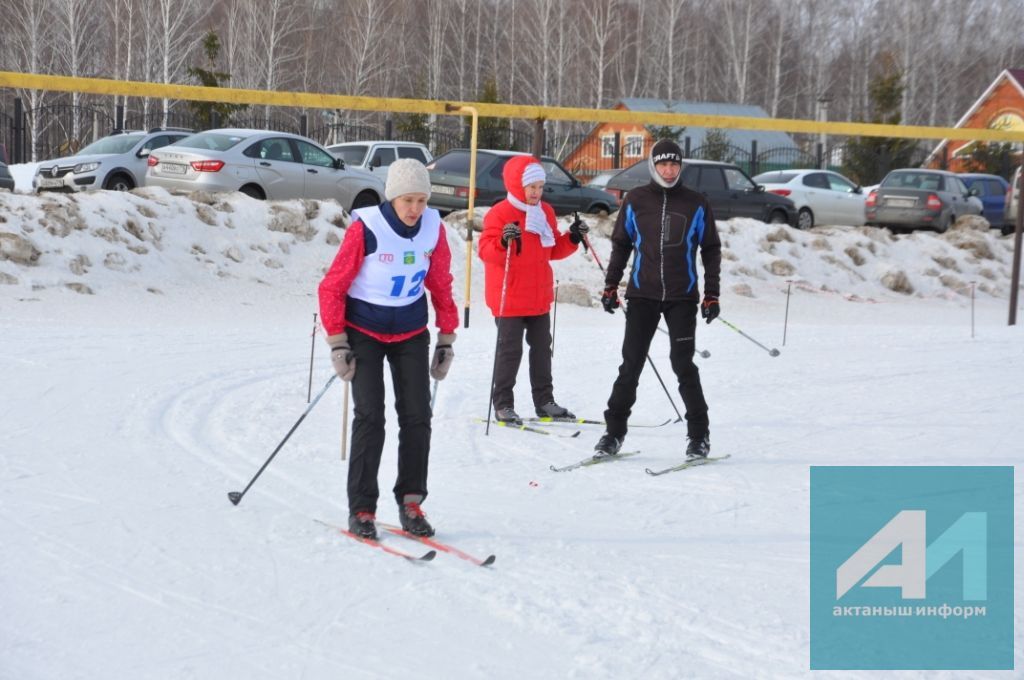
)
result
[(943, 226), (804, 219), (778, 217), (119, 182), (600, 209), (253, 191), (365, 199), (1008, 229)]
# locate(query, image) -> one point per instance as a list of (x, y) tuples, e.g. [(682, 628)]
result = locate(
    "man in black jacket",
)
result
[(663, 224)]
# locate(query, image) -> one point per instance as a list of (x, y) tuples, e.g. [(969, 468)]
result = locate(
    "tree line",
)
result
[(788, 56)]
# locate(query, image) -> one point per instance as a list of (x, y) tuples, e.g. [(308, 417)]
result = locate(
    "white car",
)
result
[(821, 196), (116, 162), (263, 164), (376, 156)]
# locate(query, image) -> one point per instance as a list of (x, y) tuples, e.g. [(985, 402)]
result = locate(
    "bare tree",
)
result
[(29, 41)]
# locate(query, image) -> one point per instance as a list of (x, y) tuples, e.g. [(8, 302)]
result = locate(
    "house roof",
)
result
[(1014, 75), (741, 138)]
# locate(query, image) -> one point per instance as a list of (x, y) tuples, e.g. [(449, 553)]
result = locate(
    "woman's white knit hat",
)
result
[(407, 176)]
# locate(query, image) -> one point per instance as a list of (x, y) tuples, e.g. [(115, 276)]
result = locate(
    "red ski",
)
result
[(443, 547), (426, 557)]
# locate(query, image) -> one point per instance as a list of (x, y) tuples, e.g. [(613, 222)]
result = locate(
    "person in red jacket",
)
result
[(373, 307), (520, 238)]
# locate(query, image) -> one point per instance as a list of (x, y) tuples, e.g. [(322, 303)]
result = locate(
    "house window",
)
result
[(634, 146), (607, 146)]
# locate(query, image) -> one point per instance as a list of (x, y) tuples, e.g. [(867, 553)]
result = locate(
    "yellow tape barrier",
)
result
[(332, 101)]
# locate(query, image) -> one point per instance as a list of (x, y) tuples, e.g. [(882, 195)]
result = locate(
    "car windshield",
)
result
[(113, 144), (453, 161), (210, 141), (774, 177), (912, 180), (352, 155)]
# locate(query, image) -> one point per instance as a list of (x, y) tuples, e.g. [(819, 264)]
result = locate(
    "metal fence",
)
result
[(61, 129)]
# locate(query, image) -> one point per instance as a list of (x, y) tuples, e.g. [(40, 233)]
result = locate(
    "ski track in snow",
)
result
[(128, 419)]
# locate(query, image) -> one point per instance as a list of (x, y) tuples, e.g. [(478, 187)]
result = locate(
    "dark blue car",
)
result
[(991, 191)]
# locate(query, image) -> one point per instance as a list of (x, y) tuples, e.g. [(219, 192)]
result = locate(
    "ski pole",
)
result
[(497, 341), (312, 348), (649, 360), (344, 423), (433, 396), (703, 352), (771, 352), (236, 496), (554, 323)]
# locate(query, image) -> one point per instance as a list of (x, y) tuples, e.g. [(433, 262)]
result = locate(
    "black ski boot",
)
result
[(698, 447), (361, 523), (507, 414), (608, 445), (413, 519), (553, 410)]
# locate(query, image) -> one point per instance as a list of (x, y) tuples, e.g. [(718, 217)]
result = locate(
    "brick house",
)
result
[(1001, 107), (597, 150)]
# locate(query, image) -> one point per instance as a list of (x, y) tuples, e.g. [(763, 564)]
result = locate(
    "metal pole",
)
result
[(472, 196), (785, 323), (312, 348), (344, 422), (554, 324), (1015, 273), (972, 308)]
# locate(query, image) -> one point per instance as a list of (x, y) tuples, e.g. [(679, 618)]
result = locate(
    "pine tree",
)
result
[(202, 112), (716, 146), (493, 133), (869, 159)]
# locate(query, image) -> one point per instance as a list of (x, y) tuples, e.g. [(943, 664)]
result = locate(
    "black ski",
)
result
[(527, 428), (547, 420), (593, 460), (693, 462)]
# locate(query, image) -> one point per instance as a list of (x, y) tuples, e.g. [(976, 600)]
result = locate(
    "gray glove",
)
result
[(443, 356), (342, 357)]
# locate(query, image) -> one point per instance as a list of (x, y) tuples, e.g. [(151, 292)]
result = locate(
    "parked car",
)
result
[(449, 178), (912, 198), (730, 191), (116, 162), (821, 196), (264, 165), (991, 191), (6, 180), (1012, 203), (601, 179), (378, 155)]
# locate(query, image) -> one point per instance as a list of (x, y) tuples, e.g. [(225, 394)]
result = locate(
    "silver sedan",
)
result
[(262, 164)]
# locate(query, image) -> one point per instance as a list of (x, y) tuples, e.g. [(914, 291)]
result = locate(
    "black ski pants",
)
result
[(410, 379), (642, 318), (510, 355)]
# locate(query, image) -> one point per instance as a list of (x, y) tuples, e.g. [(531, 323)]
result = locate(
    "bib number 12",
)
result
[(415, 283)]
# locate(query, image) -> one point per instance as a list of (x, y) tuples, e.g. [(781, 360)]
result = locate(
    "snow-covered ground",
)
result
[(155, 349)]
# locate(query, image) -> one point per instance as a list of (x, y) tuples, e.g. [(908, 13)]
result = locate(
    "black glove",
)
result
[(710, 309), (578, 231), (610, 299), (511, 232)]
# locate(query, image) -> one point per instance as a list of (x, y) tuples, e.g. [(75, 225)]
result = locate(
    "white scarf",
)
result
[(536, 220)]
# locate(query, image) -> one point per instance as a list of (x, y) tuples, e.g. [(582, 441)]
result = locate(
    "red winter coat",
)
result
[(530, 286)]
